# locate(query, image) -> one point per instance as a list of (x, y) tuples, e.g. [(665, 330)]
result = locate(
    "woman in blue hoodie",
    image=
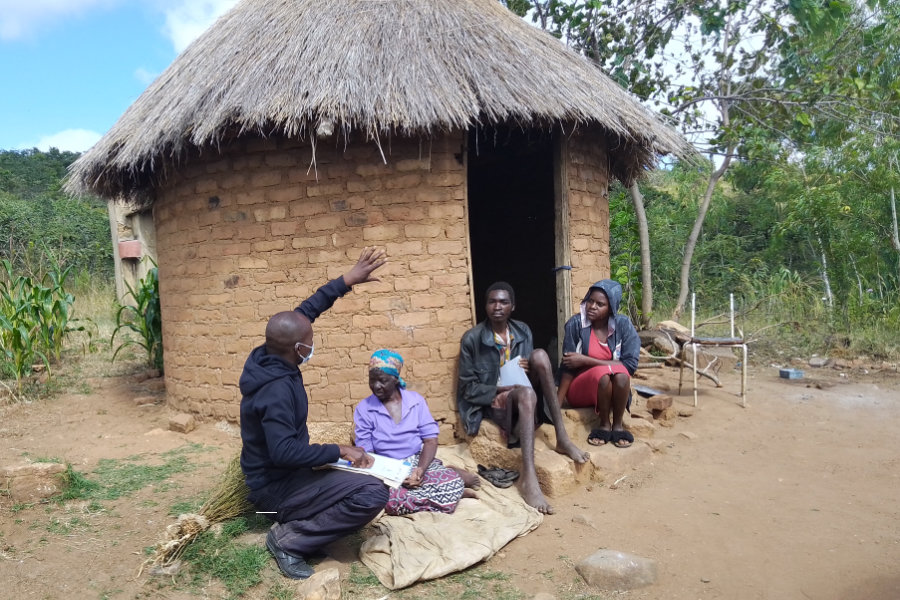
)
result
[(600, 354)]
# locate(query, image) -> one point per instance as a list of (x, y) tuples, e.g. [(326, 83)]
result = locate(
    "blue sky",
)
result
[(70, 68)]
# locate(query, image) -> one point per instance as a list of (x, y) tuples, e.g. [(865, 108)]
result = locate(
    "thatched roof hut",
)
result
[(402, 67), (228, 145)]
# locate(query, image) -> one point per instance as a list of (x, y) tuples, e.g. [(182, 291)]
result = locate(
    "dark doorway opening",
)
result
[(511, 223)]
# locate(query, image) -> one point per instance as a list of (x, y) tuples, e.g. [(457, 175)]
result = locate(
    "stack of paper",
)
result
[(390, 470)]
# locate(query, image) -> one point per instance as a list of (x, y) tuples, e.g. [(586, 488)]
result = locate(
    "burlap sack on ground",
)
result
[(426, 545)]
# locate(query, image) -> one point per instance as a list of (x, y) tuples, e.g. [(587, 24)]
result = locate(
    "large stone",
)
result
[(724, 357), (819, 361), (681, 333), (31, 482), (660, 341), (325, 584), (557, 474), (666, 417), (659, 402), (182, 423), (488, 447), (617, 571)]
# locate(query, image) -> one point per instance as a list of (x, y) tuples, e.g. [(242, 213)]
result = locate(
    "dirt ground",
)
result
[(795, 496)]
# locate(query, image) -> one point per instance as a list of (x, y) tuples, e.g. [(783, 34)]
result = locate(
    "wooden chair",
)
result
[(730, 342)]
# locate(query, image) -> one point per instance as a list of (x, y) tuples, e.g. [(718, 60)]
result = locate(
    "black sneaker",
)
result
[(291, 565)]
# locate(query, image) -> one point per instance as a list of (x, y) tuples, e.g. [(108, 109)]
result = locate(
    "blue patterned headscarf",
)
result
[(390, 362)]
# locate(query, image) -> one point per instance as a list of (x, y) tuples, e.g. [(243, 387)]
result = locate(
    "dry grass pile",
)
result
[(227, 501)]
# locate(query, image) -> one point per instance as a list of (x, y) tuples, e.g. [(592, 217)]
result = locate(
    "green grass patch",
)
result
[(238, 566), (186, 506), (113, 479), (66, 526), (280, 591), (471, 584)]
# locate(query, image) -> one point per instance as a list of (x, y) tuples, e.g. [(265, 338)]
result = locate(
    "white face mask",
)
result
[(305, 359)]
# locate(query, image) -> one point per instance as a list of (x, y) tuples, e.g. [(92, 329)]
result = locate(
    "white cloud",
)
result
[(144, 76), (189, 18), (22, 18), (73, 140)]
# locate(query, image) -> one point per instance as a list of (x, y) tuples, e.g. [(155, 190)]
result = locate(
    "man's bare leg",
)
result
[(525, 401), (539, 368)]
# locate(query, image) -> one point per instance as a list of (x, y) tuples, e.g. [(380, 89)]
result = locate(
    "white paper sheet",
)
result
[(390, 470), (512, 373)]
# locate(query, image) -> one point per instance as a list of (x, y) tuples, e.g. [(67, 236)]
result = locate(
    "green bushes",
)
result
[(35, 215)]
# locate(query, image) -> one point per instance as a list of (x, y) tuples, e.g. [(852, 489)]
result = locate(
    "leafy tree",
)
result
[(37, 219), (745, 75)]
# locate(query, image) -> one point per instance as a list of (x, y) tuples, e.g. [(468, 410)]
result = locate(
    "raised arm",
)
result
[(369, 259)]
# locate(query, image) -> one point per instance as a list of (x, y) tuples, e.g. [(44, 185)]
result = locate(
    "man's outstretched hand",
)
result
[(356, 456), (369, 259)]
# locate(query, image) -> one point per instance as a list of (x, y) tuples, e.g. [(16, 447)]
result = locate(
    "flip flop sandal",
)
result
[(599, 437), (498, 477), (509, 475), (622, 436)]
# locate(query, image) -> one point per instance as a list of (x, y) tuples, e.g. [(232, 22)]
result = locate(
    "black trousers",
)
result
[(314, 508)]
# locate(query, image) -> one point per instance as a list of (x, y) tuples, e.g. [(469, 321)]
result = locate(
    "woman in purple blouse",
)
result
[(396, 422)]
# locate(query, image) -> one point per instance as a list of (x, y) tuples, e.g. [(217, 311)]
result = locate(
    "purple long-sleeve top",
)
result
[(376, 431)]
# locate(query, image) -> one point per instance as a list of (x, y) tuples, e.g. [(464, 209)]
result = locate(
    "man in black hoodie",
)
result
[(311, 508)]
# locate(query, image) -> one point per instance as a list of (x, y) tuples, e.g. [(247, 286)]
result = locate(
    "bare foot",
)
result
[(470, 480), (532, 494), (572, 451), (467, 493)]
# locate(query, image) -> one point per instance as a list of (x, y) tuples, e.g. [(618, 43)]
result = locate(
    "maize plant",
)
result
[(142, 318), (34, 320)]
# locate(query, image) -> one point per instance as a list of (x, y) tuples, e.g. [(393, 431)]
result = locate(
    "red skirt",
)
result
[(583, 390)]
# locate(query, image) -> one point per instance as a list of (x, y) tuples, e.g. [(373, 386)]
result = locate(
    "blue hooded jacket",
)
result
[(623, 340)]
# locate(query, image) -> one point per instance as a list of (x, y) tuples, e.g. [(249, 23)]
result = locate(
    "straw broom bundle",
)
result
[(228, 501)]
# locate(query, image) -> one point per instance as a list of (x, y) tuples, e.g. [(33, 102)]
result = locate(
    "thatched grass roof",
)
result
[(380, 67)]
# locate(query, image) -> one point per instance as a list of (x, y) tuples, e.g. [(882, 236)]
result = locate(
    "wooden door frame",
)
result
[(562, 246)]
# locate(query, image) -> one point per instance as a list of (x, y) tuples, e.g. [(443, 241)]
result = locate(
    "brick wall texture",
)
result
[(588, 184), (254, 230)]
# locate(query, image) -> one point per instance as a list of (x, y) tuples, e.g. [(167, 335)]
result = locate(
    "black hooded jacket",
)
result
[(623, 340), (274, 408)]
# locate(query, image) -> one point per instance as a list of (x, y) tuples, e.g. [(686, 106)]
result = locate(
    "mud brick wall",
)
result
[(588, 186), (245, 234)]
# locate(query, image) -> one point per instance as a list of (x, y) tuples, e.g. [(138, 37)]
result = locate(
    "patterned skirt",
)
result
[(440, 491)]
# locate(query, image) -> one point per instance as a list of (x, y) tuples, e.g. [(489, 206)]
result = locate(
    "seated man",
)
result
[(311, 508), (518, 410)]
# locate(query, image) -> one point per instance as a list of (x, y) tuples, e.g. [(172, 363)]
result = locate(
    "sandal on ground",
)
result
[(501, 478), (622, 439), (599, 437)]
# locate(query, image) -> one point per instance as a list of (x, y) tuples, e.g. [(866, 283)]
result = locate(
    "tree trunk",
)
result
[(637, 199), (829, 296), (684, 286), (895, 235)]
